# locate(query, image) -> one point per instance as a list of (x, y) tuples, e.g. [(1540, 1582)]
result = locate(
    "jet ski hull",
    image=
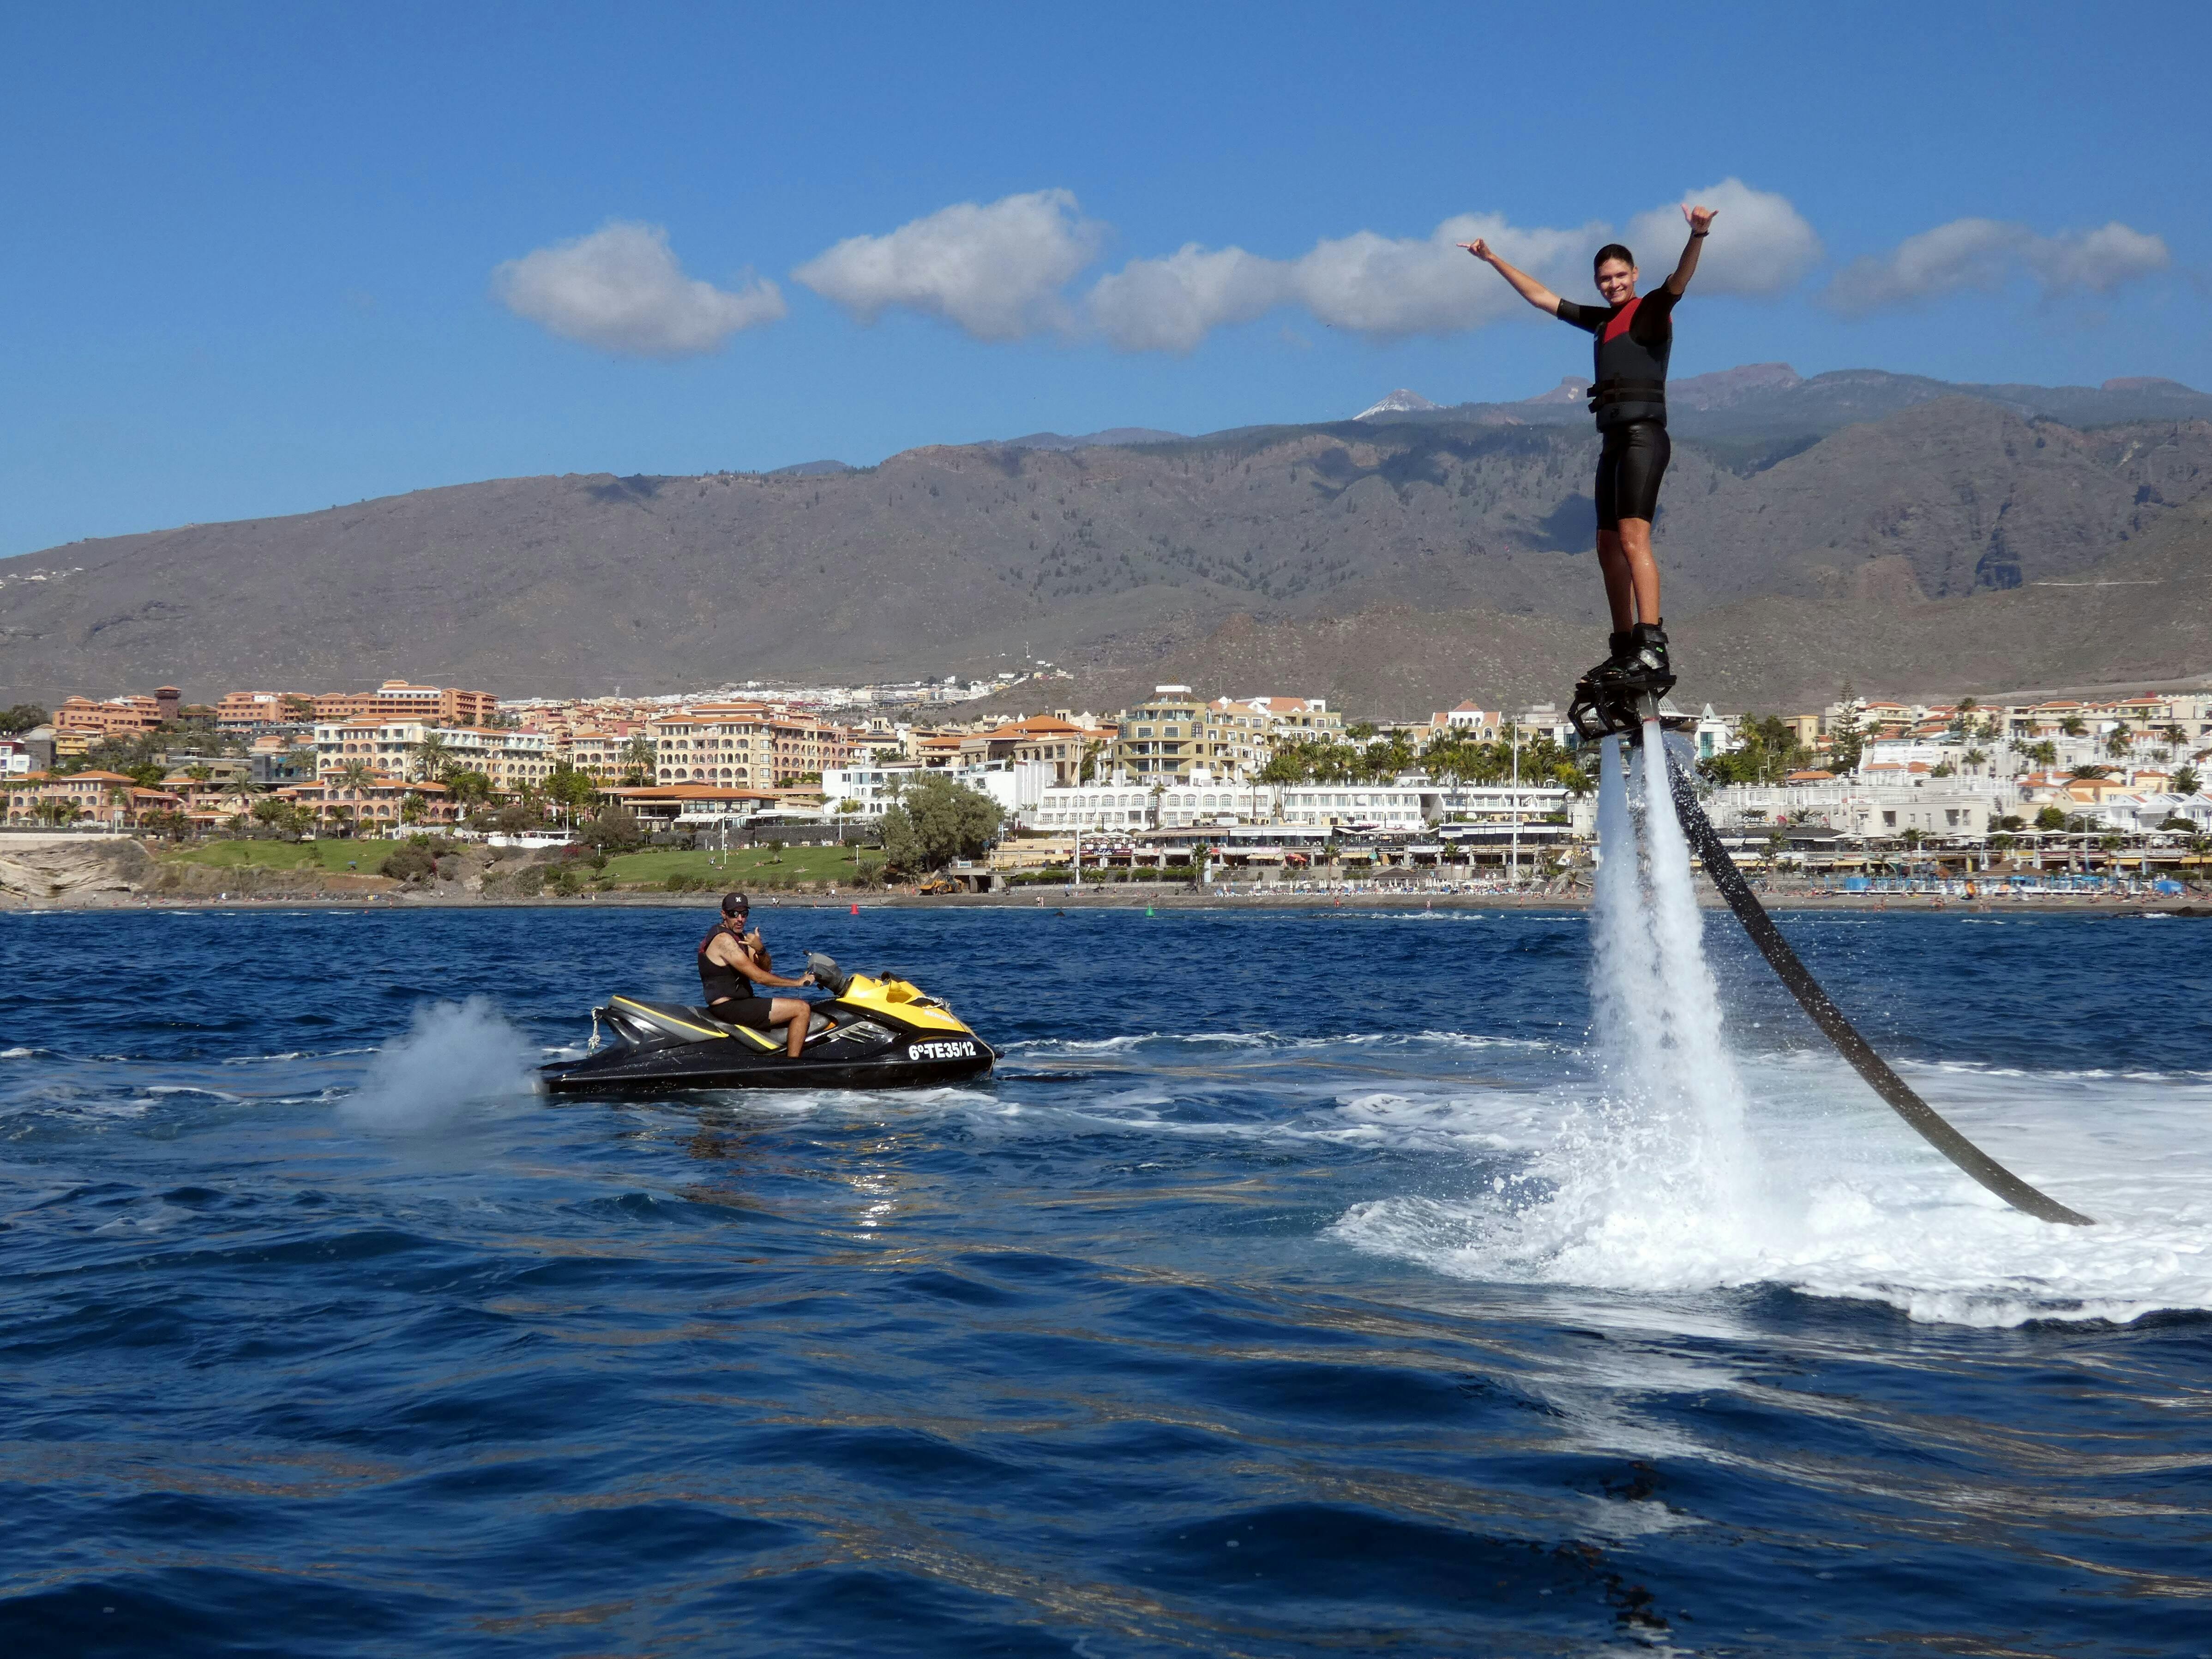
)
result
[(876, 1034), (709, 1066)]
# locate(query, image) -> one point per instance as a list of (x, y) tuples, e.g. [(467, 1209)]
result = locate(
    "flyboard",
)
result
[(1610, 714)]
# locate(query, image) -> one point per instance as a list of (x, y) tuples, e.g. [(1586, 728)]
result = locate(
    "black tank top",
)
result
[(719, 981)]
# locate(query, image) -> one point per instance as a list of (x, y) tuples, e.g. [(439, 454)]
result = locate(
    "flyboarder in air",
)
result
[(1634, 334)]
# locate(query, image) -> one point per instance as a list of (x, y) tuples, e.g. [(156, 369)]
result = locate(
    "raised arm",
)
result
[(1701, 220), (1523, 284)]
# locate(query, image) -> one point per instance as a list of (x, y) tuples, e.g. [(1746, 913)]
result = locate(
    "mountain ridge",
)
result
[(1115, 557)]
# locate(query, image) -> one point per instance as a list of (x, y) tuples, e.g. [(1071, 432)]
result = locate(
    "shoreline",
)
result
[(1117, 898)]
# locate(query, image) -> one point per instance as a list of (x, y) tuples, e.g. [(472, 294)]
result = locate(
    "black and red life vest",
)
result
[(1630, 378)]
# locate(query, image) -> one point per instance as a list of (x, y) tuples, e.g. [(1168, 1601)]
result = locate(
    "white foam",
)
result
[(1038, 1047), (1685, 1169), (457, 1054), (1864, 1209)]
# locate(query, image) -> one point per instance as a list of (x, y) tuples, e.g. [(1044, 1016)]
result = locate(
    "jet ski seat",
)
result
[(817, 1027), (687, 1023)]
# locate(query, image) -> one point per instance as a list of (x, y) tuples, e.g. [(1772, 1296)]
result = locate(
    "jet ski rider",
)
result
[(1634, 336), (733, 965)]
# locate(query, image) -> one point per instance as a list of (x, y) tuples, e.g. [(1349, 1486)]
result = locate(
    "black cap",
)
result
[(735, 904)]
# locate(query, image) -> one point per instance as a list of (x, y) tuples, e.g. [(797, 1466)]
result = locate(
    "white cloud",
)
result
[(1171, 304), (1387, 289), (1986, 253), (2098, 261), (1760, 244), (998, 271), (1377, 285), (620, 288), (995, 271)]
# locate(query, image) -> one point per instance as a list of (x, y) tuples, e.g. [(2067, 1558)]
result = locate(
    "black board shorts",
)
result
[(744, 1010), (1629, 468)]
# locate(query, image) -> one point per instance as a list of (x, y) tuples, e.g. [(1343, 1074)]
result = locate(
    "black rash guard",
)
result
[(1630, 357)]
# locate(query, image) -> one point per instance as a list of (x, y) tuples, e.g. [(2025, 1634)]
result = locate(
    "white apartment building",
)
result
[(1401, 807), (870, 789), (1939, 814), (604, 757), (392, 749), (1118, 804), (1016, 786), (737, 750), (2142, 814)]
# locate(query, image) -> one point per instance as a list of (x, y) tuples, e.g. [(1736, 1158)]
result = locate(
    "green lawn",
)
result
[(740, 866), (339, 857)]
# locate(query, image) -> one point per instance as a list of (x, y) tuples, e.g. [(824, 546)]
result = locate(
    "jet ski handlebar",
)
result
[(827, 974)]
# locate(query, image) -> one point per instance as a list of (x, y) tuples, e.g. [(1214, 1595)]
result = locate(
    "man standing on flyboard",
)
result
[(1634, 334)]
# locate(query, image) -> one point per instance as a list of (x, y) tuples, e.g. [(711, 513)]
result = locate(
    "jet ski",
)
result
[(876, 1032)]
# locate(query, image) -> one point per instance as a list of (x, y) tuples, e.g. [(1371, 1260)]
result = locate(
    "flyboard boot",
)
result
[(1615, 695)]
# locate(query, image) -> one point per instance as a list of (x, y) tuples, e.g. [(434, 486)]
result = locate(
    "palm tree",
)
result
[(432, 756), (470, 788), (2120, 741), (356, 775), (2072, 727), (640, 758)]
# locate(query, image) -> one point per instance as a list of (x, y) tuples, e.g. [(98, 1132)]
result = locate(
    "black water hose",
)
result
[(1839, 1031)]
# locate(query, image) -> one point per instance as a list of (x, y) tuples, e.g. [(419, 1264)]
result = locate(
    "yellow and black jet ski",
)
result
[(876, 1032)]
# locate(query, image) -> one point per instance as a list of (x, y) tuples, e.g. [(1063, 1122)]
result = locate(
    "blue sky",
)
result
[(258, 260)]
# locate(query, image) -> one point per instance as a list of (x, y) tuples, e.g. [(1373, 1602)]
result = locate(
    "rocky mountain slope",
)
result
[(1348, 556)]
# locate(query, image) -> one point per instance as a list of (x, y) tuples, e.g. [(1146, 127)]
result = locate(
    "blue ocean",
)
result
[(1299, 1284)]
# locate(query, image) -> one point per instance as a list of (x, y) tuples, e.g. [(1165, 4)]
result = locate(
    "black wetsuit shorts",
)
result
[(744, 1011), (1629, 468)]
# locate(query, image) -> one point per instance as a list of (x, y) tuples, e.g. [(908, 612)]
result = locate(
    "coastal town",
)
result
[(1188, 783)]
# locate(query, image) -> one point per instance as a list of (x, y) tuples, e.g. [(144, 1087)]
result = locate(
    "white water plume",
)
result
[(1661, 1181), (1663, 1153), (1656, 1173), (458, 1054)]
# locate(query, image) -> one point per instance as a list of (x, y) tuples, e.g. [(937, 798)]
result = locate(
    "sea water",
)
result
[(1309, 1281)]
